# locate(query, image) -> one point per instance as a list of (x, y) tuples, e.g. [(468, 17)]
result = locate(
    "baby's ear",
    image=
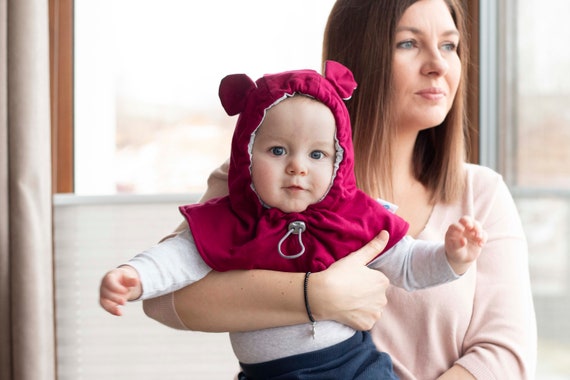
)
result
[(341, 78), (233, 92)]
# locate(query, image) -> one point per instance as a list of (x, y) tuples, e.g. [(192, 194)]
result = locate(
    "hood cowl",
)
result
[(239, 232)]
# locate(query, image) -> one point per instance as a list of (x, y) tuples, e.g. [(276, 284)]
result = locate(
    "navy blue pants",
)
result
[(356, 358)]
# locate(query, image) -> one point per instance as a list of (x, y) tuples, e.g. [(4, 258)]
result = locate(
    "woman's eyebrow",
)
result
[(414, 30)]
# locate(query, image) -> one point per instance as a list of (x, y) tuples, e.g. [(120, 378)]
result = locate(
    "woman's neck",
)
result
[(402, 164), (411, 196)]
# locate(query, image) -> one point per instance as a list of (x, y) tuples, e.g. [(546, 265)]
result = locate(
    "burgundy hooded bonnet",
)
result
[(239, 232)]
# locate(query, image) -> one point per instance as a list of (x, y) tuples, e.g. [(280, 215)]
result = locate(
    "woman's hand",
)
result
[(348, 291)]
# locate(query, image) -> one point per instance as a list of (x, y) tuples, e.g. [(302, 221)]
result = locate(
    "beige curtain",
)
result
[(27, 338)]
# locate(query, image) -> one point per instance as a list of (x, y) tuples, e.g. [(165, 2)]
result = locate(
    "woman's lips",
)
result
[(432, 93)]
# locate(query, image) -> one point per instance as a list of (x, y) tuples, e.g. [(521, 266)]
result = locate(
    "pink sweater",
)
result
[(484, 321)]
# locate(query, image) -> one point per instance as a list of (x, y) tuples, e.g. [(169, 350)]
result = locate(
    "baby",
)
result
[(293, 205)]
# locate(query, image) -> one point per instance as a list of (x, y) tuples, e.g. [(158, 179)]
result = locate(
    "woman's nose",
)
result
[(435, 63)]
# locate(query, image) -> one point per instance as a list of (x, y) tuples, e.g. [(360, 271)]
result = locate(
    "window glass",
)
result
[(535, 141), (147, 116), (542, 96)]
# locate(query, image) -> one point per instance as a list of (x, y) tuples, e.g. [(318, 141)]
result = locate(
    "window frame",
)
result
[(61, 94)]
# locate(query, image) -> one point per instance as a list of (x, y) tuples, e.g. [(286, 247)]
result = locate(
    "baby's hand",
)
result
[(118, 286), (463, 243)]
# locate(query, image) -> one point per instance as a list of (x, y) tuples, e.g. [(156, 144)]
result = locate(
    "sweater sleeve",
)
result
[(162, 309), (217, 187), (217, 183), (500, 342)]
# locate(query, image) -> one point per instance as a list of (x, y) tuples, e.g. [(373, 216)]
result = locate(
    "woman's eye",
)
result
[(317, 155), (409, 44), (449, 46), (277, 150)]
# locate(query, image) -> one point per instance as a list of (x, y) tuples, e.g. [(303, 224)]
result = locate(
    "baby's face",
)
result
[(293, 154)]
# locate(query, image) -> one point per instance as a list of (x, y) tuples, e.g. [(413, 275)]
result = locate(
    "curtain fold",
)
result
[(27, 334)]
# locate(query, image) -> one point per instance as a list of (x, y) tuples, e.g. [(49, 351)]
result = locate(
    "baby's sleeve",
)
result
[(169, 266), (415, 264)]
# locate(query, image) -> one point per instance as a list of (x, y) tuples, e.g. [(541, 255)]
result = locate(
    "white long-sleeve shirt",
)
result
[(175, 263)]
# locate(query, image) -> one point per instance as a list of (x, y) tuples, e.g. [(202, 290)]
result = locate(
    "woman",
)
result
[(408, 58)]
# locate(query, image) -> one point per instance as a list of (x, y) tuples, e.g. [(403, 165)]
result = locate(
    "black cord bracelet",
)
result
[(307, 307)]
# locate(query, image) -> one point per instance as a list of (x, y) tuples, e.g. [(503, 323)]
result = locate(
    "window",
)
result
[(134, 85), (146, 78), (533, 154), (147, 115), (142, 116)]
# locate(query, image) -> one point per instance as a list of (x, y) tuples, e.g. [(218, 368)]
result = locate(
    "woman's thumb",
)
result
[(368, 252)]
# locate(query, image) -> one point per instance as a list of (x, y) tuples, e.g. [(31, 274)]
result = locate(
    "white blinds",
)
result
[(89, 240)]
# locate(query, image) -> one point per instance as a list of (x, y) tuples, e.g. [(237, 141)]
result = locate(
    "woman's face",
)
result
[(426, 66)]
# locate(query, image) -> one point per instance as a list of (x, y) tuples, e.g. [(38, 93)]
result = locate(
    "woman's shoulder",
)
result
[(484, 187), (481, 178), (481, 172)]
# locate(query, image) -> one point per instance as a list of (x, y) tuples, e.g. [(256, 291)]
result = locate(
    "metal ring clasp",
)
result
[(296, 228)]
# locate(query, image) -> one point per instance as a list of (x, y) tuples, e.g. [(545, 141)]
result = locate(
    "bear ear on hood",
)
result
[(341, 78), (233, 92)]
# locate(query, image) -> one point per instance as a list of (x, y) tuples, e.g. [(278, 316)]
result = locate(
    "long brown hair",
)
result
[(360, 34)]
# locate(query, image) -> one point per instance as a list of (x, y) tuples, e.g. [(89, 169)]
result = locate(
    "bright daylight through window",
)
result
[(147, 114)]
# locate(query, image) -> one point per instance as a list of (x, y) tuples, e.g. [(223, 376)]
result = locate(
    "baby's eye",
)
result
[(277, 150), (317, 155)]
